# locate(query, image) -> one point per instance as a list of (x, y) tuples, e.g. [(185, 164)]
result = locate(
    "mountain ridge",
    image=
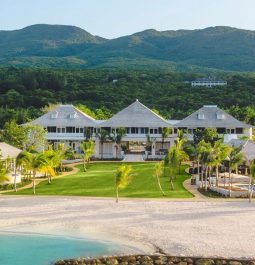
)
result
[(219, 48)]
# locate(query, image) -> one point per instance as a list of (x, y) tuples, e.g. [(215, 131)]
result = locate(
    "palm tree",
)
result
[(234, 158), (219, 153), (172, 158), (252, 177), (181, 154), (158, 173), (102, 136), (88, 148), (122, 178), (36, 162), (204, 150), (3, 172), (164, 134), (116, 138)]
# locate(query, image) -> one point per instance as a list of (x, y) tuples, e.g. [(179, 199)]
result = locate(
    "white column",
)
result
[(114, 150), (97, 148), (153, 149)]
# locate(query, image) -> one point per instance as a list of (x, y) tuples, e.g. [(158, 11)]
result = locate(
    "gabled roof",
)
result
[(210, 119), (65, 115), (247, 147), (136, 115), (7, 150)]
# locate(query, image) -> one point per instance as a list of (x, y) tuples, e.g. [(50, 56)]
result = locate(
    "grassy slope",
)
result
[(99, 181)]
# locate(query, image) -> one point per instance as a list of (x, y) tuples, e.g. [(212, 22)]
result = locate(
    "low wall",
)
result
[(233, 194), (154, 260)]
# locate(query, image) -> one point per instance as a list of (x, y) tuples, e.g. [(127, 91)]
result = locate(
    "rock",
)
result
[(161, 260), (252, 262), (174, 259), (221, 262), (183, 263), (146, 260), (234, 262), (204, 262)]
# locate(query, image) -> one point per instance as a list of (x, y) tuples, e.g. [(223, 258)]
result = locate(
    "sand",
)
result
[(185, 228)]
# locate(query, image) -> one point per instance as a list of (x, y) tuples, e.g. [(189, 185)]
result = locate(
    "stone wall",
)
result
[(153, 260)]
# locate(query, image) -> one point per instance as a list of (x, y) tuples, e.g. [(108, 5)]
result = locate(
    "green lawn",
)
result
[(100, 178)]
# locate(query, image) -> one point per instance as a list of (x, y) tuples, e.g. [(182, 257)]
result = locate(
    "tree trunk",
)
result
[(117, 195), (160, 187), (251, 190), (84, 165), (217, 176), (34, 173), (206, 173), (171, 182), (15, 179), (229, 178), (102, 150)]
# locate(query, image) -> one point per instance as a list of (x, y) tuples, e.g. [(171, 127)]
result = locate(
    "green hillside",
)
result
[(210, 49)]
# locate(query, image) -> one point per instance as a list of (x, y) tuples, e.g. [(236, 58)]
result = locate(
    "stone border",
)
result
[(154, 260)]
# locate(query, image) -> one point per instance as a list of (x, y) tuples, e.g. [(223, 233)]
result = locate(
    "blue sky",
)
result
[(114, 18)]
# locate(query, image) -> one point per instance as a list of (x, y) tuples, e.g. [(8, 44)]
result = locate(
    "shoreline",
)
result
[(180, 228)]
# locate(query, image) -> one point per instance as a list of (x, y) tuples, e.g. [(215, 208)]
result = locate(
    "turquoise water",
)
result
[(44, 250)]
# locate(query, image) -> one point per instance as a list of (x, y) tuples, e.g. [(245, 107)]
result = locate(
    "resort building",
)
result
[(143, 129), (8, 154), (208, 82), (210, 116), (66, 124)]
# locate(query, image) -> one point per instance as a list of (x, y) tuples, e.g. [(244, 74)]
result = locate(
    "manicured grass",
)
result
[(99, 181)]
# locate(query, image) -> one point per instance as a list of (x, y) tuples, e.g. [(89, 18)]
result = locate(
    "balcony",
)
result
[(65, 136)]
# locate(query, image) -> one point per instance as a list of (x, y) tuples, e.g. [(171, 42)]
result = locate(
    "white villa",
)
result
[(143, 129), (208, 82)]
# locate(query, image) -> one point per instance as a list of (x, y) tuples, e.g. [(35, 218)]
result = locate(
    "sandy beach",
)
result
[(192, 228)]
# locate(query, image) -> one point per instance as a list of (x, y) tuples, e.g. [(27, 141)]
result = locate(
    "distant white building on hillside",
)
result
[(208, 82)]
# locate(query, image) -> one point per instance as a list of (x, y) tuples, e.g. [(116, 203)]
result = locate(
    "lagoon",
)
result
[(19, 249)]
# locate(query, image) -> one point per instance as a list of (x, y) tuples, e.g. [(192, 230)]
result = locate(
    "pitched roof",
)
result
[(7, 150), (65, 115), (247, 147), (209, 119), (136, 115)]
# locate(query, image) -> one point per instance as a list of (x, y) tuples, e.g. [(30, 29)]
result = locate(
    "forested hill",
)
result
[(25, 92), (214, 48)]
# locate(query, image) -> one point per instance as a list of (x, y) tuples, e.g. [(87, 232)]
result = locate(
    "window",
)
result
[(81, 130), (190, 131), (73, 115), (77, 130), (221, 130), (52, 129), (54, 115), (70, 129), (155, 131), (175, 130), (127, 130), (63, 130), (151, 131), (232, 131), (220, 116), (134, 130), (239, 130), (59, 130), (201, 116), (142, 130)]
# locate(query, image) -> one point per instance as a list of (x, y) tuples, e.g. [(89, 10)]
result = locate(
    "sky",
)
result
[(115, 18)]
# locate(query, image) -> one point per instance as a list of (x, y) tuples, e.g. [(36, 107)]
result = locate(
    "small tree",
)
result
[(252, 177), (116, 138), (158, 172), (103, 135), (164, 134), (235, 158), (122, 178), (172, 158), (88, 149), (3, 172)]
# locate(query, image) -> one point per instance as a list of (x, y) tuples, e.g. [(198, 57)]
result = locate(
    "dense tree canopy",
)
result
[(24, 92)]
